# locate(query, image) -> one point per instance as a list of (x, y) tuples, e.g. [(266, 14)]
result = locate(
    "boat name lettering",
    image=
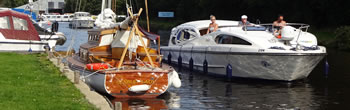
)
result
[(261, 50), (138, 82)]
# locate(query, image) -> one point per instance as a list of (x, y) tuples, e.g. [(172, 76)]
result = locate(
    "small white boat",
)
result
[(19, 33), (58, 18), (82, 20), (248, 52)]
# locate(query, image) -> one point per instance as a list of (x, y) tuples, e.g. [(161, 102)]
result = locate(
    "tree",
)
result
[(13, 3)]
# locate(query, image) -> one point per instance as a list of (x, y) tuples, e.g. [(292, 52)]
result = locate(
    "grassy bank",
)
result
[(31, 82)]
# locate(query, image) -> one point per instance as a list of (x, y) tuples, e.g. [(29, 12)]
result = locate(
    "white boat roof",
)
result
[(82, 12), (201, 24)]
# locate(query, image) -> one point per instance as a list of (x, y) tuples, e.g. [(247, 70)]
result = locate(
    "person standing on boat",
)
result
[(278, 25), (212, 26), (244, 21)]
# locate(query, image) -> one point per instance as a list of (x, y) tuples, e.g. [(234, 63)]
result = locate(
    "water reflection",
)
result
[(207, 92), (139, 104)]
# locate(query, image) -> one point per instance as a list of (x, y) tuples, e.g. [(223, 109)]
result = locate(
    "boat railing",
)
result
[(271, 27)]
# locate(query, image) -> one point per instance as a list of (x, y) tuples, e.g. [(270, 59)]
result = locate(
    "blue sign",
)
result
[(166, 14)]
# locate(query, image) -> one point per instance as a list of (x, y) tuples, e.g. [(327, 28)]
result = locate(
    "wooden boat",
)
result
[(118, 62)]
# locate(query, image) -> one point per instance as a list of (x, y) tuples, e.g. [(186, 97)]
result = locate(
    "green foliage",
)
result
[(92, 6), (320, 13), (342, 37), (13, 3), (31, 82)]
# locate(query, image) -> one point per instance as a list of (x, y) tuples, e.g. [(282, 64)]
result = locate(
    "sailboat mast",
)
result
[(102, 8), (147, 16)]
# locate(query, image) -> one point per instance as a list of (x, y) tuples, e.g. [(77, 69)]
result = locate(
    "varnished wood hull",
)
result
[(117, 83)]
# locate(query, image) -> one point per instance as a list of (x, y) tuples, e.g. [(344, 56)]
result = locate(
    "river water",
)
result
[(319, 91)]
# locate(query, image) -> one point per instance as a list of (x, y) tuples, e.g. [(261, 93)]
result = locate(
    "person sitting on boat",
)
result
[(212, 26), (244, 21), (278, 25)]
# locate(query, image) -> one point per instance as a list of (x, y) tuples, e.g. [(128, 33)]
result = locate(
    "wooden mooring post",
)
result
[(76, 77), (58, 61)]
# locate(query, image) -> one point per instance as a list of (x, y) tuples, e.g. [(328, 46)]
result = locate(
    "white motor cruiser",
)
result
[(82, 20), (19, 33), (245, 51)]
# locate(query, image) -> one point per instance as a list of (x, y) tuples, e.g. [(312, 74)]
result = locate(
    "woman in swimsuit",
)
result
[(212, 26)]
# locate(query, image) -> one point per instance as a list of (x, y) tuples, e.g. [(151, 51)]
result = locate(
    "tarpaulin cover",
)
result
[(25, 32), (149, 35)]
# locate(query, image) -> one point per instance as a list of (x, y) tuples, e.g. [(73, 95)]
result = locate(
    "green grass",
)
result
[(31, 82)]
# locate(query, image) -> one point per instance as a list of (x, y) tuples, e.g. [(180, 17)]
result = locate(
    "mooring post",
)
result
[(48, 52), (58, 61), (53, 50), (76, 77), (118, 106)]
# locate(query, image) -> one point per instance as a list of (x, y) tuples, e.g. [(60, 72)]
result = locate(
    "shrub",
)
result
[(342, 37)]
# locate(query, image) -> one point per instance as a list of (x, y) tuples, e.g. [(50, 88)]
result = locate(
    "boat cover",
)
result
[(149, 35), (16, 25)]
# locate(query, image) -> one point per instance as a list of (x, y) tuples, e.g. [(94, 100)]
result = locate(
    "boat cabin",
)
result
[(17, 26), (108, 44)]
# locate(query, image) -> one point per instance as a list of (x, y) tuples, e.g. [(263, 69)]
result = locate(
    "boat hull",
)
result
[(258, 65), (22, 46), (82, 24), (117, 83)]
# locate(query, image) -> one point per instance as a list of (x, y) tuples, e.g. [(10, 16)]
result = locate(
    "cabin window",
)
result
[(20, 24), (4, 22), (185, 35), (65, 16), (58, 16), (173, 40), (53, 16), (48, 16), (229, 39)]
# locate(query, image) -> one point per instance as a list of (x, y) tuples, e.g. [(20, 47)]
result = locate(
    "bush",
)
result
[(342, 37)]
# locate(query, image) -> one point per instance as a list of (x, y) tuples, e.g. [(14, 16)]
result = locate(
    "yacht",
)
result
[(19, 33), (82, 20), (251, 51)]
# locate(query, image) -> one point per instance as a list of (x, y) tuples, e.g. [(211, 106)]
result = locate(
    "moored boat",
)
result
[(245, 51), (118, 62), (19, 33), (82, 20)]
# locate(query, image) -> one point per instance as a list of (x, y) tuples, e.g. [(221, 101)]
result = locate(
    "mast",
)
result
[(102, 8), (109, 4), (147, 16)]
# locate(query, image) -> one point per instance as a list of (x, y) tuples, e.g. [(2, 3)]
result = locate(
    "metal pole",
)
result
[(79, 4)]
